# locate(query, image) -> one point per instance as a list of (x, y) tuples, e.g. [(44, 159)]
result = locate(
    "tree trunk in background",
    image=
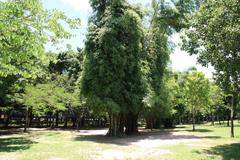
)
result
[(74, 122), (122, 123), (51, 123), (131, 123), (193, 118), (212, 118), (78, 122), (65, 120), (149, 122), (189, 118), (83, 121), (180, 120), (7, 119), (39, 122), (232, 118), (218, 119), (27, 120), (57, 119), (228, 120), (118, 121), (30, 117)]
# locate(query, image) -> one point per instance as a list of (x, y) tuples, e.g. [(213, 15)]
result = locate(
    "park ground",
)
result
[(206, 143)]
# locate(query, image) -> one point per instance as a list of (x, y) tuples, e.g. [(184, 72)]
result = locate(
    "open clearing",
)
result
[(207, 142)]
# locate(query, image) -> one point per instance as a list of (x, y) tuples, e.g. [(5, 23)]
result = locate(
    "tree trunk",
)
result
[(189, 118), (218, 119), (73, 122), (131, 123), (50, 122), (212, 118), (27, 121), (79, 118), (180, 120), (228, 120), (114, 129), (57, 119), (232, 118), (6, 120), (122, 123), (78, 123), (193, 118), (65, 121), (149, 122)]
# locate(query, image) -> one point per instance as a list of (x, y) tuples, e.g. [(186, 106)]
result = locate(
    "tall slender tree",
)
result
[(196, 93)]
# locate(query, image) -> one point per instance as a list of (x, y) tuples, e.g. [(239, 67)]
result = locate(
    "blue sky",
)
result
[(180, 60)]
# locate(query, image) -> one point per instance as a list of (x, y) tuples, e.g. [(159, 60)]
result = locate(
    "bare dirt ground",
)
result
[(138, 146)]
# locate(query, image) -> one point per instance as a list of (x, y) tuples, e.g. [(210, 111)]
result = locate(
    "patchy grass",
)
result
[(206, 143), (217, 145)]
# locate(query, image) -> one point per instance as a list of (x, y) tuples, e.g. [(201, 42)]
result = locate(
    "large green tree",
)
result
[(112, 77), (156, 53), (165, 19)]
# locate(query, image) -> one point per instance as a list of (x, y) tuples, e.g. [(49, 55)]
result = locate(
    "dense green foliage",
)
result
[(196, 93), (25, 29), (214, 35), (112, 78)]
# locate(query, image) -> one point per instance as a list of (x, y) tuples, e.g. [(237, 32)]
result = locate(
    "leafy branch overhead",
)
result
[(25, 28)]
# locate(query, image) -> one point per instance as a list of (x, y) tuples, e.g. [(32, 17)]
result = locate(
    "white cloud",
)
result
[(79, 5)]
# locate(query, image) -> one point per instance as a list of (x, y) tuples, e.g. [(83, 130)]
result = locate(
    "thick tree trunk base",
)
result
[(131, 124)]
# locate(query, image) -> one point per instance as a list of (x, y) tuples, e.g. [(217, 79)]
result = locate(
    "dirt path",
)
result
[(137, 147)]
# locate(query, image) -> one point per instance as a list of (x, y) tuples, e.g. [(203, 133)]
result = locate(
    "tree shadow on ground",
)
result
[(161, 136), (180, 127), (9, 131), (200, 130), (227, 152), (14, 144)]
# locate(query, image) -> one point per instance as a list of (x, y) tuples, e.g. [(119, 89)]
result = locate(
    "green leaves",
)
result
[(214, 35), (25, 27), (112, 79), (49, 97), (196, 91)]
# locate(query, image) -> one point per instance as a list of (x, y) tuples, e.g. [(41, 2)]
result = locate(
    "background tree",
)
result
[(47, 98), (196, 92), (214, 36), (216, 100), (25, 28)]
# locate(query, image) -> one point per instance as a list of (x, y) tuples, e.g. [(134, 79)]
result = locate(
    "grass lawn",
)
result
[(207, 143)]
